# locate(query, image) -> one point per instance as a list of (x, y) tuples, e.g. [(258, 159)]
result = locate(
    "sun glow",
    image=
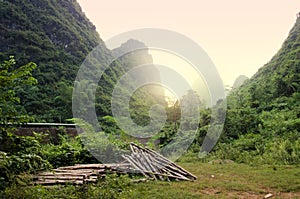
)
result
[(183, 68)]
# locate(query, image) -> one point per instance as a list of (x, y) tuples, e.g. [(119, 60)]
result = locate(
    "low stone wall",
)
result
[(51, 133)]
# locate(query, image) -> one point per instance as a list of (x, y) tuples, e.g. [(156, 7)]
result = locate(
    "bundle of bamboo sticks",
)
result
[(153, 165), (141, 161)]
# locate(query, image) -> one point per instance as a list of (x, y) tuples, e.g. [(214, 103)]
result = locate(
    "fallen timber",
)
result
[(142, 161)]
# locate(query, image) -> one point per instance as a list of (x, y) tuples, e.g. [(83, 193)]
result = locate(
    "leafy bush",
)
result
[(256, 149), (69, 151), (111, 187), (11, 166)]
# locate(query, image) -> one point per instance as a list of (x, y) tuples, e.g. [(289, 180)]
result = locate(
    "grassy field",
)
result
[(228, 181), (214, 181)]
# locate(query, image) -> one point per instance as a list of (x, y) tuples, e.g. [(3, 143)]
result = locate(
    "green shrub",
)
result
[(69, 151), (111, 187)]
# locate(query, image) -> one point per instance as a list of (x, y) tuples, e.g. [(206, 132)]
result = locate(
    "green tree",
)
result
[(10, 78), (17, 153)]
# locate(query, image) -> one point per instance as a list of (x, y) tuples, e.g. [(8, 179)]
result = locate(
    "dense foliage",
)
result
[(25, 154), (57, 36), (15, 156), (262, 121)]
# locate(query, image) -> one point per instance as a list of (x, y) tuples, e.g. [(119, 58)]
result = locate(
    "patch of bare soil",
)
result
[(247, 195)]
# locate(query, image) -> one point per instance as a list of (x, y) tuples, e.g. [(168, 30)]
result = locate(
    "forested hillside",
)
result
[(43, 44), (57, 36), (263, 117)]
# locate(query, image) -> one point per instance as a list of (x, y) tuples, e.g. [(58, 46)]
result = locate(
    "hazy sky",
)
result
[(239, 36)]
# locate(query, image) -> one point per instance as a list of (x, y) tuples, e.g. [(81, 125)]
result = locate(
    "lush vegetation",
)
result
[(215, 180), (14, 149), (261, 128), (23, 154), (262, 121), (57, 36)]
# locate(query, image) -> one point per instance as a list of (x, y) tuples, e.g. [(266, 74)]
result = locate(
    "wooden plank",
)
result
[(58, 170), (90, 180), (55, 177), (64, 174), (85, 166), (54, 182)]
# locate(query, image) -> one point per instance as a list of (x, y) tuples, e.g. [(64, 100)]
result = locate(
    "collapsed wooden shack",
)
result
[(142, 161)]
